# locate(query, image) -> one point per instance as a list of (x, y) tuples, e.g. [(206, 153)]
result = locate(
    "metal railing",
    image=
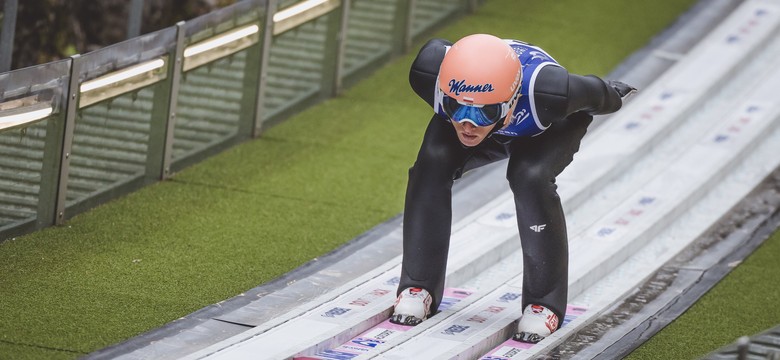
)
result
[(81, 131)]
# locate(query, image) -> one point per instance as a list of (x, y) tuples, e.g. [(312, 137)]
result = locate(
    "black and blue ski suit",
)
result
[(544, 132)]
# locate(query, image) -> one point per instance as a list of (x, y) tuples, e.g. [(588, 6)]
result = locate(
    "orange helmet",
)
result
[(477, 71)]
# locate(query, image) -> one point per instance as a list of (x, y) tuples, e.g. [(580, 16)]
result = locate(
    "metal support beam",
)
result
[(333, 51), (164, 114), (341, 47), (50, 165), (402, 32), (176, 66), (472, 6), (67, 141), (265, 52), (134, 19)]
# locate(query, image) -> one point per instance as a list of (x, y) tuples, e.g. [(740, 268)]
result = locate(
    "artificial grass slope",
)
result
[(254, 212), (90, 283), (743, 303)]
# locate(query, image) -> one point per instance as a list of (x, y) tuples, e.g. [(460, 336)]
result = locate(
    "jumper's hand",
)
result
[(623, 89)]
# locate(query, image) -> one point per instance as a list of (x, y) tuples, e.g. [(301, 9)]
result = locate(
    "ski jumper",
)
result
[(540, 139)]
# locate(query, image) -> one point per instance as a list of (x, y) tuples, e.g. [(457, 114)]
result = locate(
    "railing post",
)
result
[(338, 77), (51, 164), (251, 86), (402, 32), (50, 171), (266, 41), (7, 34), (67, 138), (160, 151), (134, 20), (743, 348), (333, 50), (471, 6)]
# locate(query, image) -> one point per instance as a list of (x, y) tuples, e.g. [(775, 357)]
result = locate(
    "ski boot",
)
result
[(537, 323), (412, 307)]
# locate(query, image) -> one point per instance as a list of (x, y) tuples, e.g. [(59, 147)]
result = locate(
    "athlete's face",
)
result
[(471, 135)]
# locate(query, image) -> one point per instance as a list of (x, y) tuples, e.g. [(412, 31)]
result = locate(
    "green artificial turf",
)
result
[(265, 207), (743, 303)]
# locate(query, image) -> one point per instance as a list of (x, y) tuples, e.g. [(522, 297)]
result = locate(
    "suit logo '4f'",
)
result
[(538, 228)]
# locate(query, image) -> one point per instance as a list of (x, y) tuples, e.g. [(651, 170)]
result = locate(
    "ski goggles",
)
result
[(477, 114)]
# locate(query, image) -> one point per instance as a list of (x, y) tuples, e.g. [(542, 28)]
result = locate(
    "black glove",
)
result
[(623, 89)]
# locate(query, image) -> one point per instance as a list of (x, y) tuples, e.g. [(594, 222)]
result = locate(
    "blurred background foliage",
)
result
[(49, 30)]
